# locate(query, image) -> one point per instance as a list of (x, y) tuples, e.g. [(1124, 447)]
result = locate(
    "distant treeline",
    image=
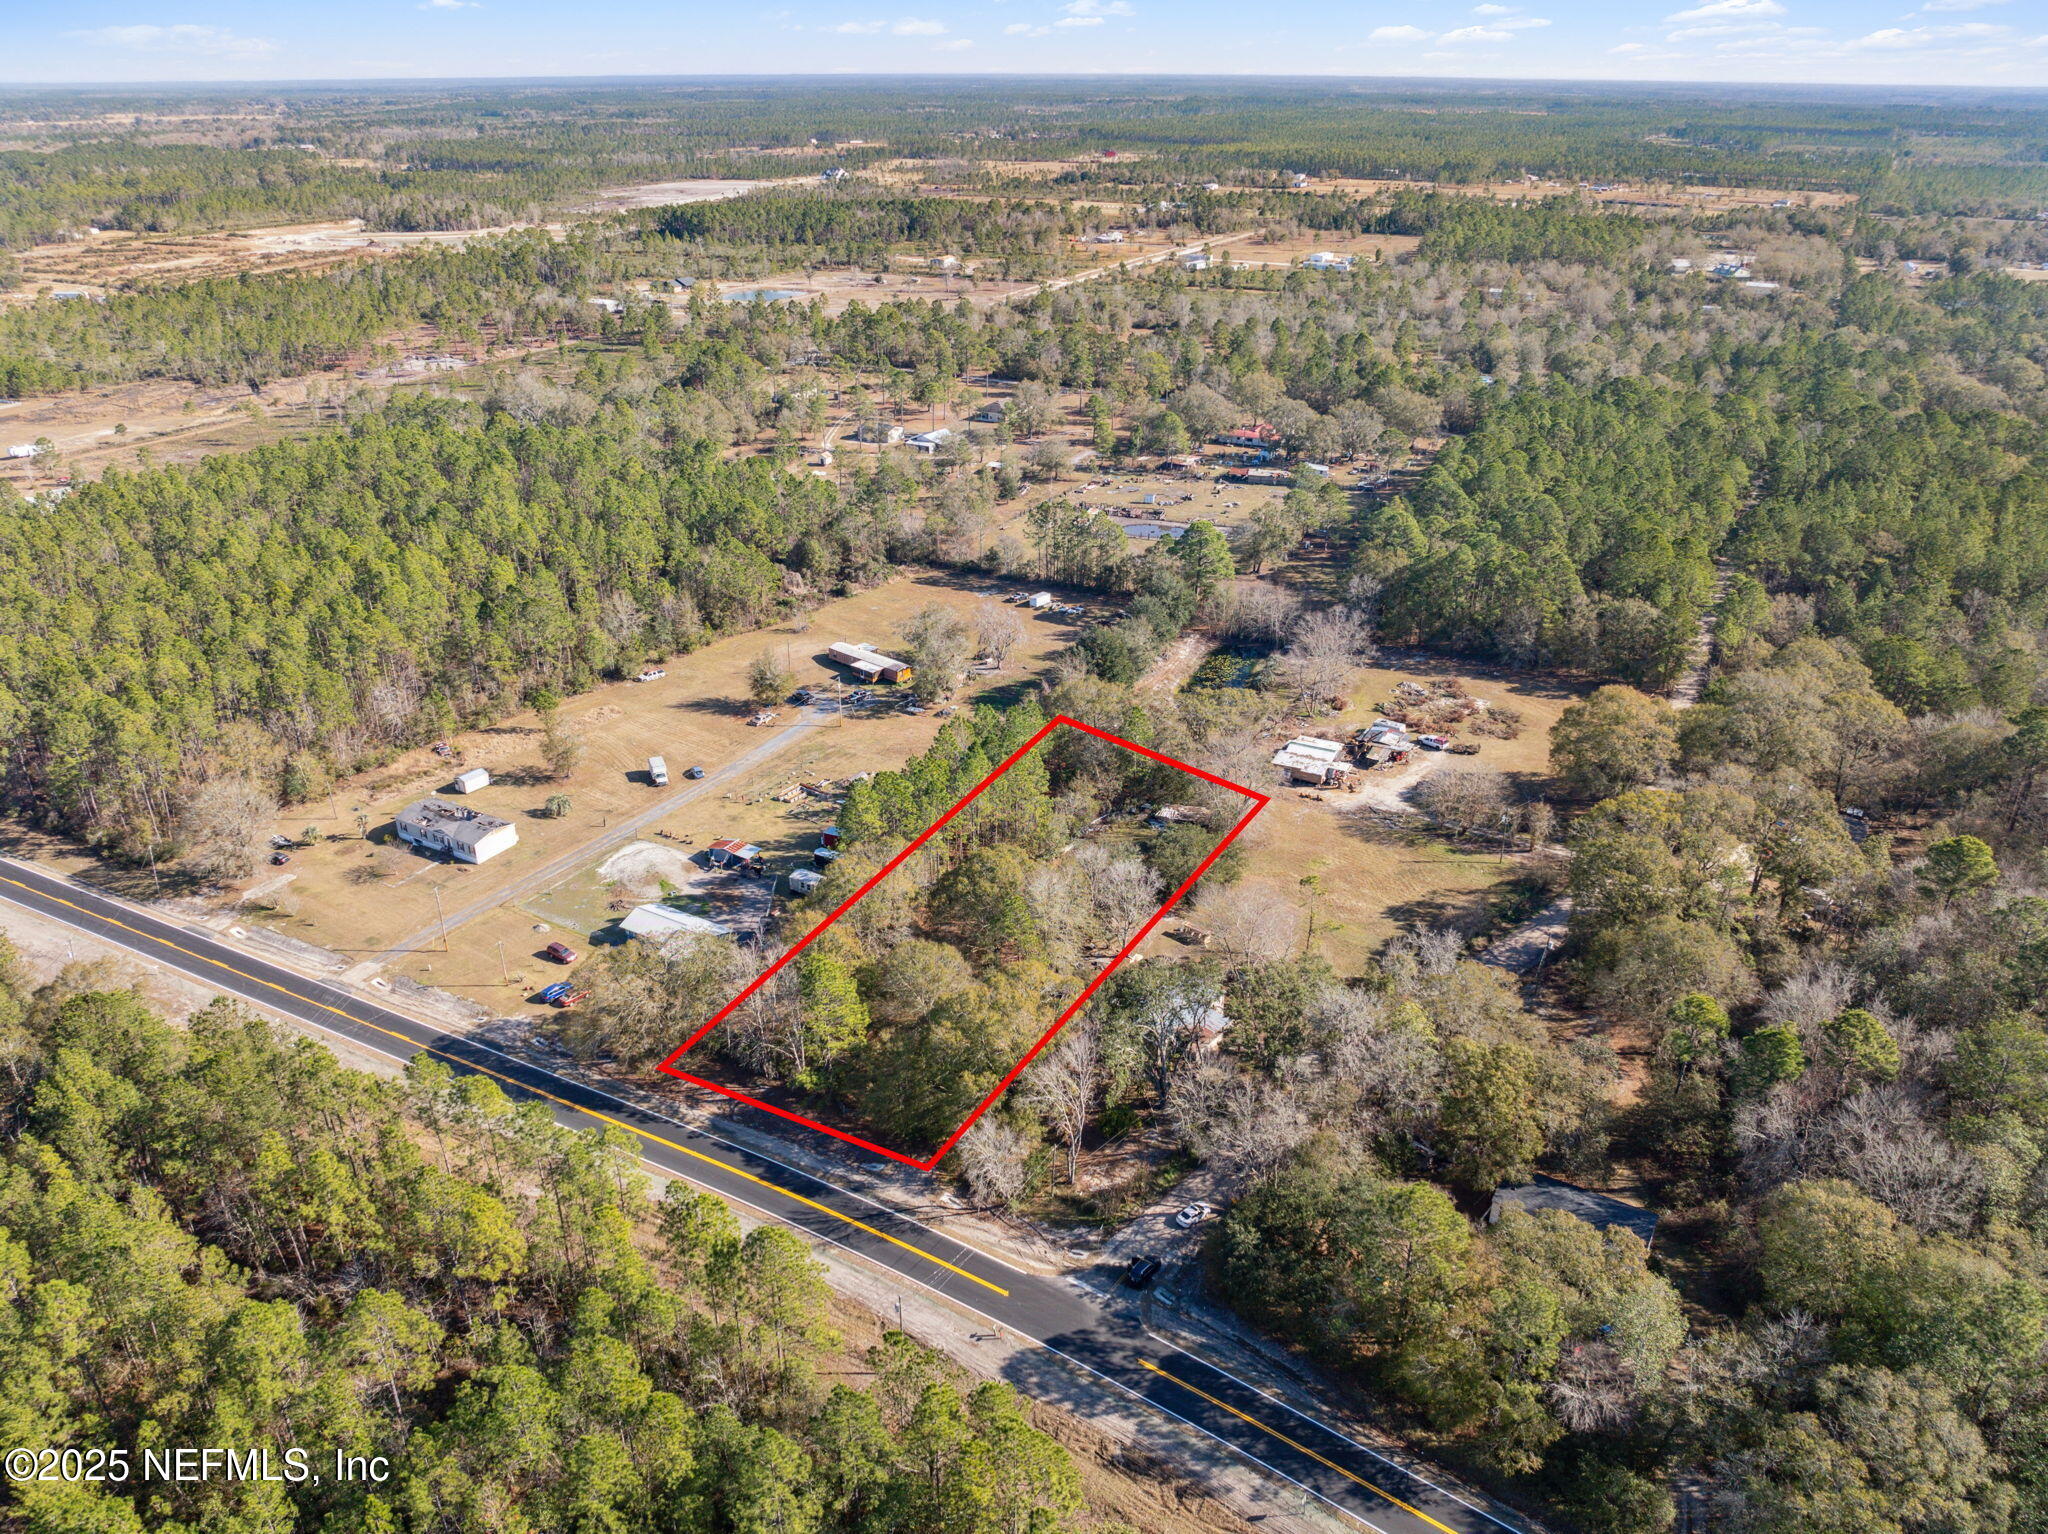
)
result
[(464, 157), (252, 329)]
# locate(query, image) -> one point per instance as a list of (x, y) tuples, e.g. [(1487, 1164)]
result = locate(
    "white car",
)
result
[(654, 675), (1193, 1215)]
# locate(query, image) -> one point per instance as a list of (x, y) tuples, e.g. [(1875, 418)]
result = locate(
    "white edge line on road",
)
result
[(1419, 1479), (339, 995), (1147, 1401), (830, 1240)]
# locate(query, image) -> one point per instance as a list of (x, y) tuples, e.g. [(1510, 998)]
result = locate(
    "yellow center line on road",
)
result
[(1304, 1448), (470, 1065)]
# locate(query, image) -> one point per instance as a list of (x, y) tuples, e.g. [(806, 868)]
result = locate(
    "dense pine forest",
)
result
[(216, 1235)]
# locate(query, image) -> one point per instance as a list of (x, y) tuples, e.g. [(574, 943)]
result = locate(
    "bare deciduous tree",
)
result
[(1258, 611), (1327, 647), (1464, 799), (1249, 920), (1240, 1123), (1062, 1084), (998, 631), (220, 826), (996, 1157)]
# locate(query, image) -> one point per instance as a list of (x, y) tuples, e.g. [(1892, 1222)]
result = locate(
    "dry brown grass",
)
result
[(694, 716)]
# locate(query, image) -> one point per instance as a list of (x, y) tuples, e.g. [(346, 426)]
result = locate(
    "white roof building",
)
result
[(869, 662), (1328, 261), (1311, 759), (931, 441), (657, 923), (472, 780), (466, 834)]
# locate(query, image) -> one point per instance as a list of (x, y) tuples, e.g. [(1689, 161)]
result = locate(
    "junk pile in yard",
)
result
[(1441, 709)]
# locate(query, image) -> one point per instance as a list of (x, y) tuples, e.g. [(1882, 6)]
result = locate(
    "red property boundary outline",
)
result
[(1260, 801)]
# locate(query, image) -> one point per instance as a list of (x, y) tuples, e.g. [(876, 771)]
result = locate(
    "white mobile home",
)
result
[(871, 664), (468, 835)]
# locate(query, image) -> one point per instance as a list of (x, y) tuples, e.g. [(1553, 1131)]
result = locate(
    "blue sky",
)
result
[(1931, 42)]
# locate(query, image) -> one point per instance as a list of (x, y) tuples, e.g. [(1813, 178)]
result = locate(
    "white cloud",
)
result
[(1959, 5), (1493, 10), (213, 42), (953, 45), (1079, 21), (912, 26), (860, 28), (451, 5), (1098, 8), (1500, 29), (1026, 29), (1921, 37), (1723, 10)]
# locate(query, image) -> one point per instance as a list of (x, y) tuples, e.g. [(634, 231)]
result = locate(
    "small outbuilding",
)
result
[(729, 852), (803, 880), (1311, 759), (1040, 600), (657, 923), (472, 780)]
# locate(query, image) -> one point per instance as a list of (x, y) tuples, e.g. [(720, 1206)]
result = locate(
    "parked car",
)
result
[(1193, 1215), (281, 840), (1142, 1271), (561, 953), (693, 772), (651, 674), (280, 857), (555, 992), (568, 998)]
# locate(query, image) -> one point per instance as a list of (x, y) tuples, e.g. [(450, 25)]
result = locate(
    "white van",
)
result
[(657, 769)]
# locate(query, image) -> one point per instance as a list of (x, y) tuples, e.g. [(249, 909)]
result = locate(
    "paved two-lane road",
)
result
[(1367, 1487)]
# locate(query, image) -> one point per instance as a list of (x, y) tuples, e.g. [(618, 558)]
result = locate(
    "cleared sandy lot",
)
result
[(362, 899), (1379, 874)]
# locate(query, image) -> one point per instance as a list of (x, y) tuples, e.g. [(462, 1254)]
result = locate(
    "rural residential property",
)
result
[(1080, 767)]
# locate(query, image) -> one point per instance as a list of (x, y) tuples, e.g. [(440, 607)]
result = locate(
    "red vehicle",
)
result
[(570, 998), (561, 953)]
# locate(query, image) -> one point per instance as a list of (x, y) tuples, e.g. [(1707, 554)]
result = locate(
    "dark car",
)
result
[(280, 857), (1142, 1271), (693, 772), (558, 989)]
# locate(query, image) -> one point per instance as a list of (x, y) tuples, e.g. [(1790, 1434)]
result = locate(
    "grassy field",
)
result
[(1378, 878), (364, 899)]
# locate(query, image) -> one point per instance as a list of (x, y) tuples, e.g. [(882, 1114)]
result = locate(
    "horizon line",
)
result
[(1051, 77)]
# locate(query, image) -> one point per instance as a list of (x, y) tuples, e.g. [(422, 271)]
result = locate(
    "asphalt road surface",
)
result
[(1368, 1488)]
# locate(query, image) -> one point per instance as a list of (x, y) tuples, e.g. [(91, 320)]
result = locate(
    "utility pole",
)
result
[(440, 921), (504, 975)]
